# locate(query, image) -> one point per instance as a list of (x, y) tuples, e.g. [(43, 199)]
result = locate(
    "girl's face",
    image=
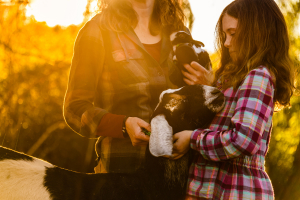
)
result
[(229, 25)]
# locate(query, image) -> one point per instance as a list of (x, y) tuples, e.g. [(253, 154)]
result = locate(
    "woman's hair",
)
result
[(261, 38), (118, 15)]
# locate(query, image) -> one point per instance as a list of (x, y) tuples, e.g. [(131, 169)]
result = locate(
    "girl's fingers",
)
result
[(190, 69), (191, 79), (188, 75), (176, 136), (197, 67), (188, 82), (197, 74)]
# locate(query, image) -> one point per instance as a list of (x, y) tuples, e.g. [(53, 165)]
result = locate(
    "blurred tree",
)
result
[(283, 159), (34, 64)]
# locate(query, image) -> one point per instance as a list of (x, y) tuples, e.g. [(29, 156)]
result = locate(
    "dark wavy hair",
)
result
[(261, 38), (118, 15)]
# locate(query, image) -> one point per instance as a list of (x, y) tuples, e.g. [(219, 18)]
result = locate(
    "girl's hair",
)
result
[(261, 38), (118, 15)]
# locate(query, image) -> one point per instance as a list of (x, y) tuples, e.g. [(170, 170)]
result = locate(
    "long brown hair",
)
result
[(261, 38), (118, 15)]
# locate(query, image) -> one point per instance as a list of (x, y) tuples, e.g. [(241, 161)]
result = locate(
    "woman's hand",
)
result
[(134, 129), (181, 144), (196, 74)]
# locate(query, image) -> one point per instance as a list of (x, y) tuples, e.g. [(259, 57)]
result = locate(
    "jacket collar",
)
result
[(165, 48)]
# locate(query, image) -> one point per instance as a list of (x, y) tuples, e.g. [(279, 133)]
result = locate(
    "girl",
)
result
[(256, 77)]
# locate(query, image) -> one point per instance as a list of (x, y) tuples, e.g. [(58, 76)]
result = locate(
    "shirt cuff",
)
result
[(195, 138), (111, 126)]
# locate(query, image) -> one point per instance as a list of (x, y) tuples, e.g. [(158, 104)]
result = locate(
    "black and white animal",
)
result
[(187, 108), (186, 50)]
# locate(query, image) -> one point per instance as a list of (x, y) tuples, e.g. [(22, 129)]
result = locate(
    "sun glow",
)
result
[(57, 12), (67, 12), (206, 16)]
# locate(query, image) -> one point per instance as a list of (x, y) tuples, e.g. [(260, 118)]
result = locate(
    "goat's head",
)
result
[(186, 50), (187, 108)]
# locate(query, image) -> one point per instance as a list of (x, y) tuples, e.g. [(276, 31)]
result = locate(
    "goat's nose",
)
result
[(215, 91)]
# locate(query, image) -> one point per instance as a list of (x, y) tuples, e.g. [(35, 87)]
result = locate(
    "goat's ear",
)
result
[(198, 43), (161, 138)]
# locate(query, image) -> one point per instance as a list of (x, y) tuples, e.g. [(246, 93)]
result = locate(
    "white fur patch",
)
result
[(174, 48), (197, 49), (161, 138), (173, 35), (168, 91), (21, 179), (173, 104), (164, 92), (174, 57), (209, 97)]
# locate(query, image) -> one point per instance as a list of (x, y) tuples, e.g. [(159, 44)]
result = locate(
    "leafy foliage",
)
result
[(34, 64), (283, 159)]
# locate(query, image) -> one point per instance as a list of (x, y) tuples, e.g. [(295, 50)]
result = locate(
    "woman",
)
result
[(256, 77), (122, 62)]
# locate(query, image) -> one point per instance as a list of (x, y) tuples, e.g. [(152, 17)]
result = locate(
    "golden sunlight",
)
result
[(67, 12), (206, 16), (57, 12)]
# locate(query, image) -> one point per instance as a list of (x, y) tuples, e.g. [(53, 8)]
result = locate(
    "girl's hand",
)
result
[(134, 129), (196, 74), (181, 144)]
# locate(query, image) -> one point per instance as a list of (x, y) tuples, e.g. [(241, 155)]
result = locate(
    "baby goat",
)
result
[(190, 107), (186, 50)]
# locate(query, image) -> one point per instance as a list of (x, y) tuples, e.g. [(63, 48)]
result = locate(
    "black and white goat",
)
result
[(187, 108)]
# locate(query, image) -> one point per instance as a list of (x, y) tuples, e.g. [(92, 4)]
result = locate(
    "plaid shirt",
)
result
[(113, 73), (230, 164)]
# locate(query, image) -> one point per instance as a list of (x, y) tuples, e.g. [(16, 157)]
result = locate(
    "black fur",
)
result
[(93, 186), (192, 112), (13, 155), (184, 52)]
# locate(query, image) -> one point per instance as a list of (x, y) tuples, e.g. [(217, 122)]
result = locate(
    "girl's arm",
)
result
[(251, 115)]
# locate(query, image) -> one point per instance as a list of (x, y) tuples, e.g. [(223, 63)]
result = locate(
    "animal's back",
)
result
[(22, 172), (23, 177)]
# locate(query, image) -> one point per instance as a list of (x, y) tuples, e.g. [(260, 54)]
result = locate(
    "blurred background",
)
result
[(36, 45)]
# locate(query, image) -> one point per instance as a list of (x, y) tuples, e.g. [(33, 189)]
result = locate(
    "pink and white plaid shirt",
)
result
[(230, 163)]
